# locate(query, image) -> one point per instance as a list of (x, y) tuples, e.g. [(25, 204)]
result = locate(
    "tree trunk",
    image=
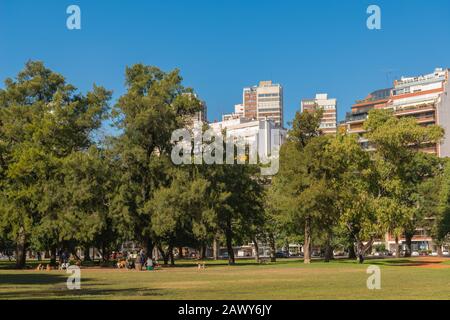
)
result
[(228, 236), (203, 252), (180, 253), (148, 247), (53, 256), (21, 250), (328, 248), (351, 251), (362, 249), (86, 254), (105, 253), (164, 255), (172, 259), (397, 247), (307, 242), (216, 248), (273, 249), (255, 241), (408, 242), (439, 250)]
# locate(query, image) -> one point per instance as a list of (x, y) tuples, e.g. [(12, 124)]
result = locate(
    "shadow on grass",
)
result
[(44, 286), (32, 278), (222, 263), (404, 263)]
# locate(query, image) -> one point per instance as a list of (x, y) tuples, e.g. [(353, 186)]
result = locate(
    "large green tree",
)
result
[(43, 120), (400, 167), (154, 105)]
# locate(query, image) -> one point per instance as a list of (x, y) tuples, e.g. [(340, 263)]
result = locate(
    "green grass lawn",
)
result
[(416, 278)]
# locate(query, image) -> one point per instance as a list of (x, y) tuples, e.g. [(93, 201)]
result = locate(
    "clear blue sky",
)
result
[(222, 46)]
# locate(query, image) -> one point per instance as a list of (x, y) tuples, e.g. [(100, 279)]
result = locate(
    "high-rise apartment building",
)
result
[(264, 101), (423, 97), (355, 119), (328, 124)]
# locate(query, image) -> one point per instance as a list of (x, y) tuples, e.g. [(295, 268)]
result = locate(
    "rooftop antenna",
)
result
[(388, 73)]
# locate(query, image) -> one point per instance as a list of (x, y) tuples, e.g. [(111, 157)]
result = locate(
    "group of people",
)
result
[(137, 261)]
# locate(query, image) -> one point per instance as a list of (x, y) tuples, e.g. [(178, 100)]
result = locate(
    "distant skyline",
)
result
[(221, 47)]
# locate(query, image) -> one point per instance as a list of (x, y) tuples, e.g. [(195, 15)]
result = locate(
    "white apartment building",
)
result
[(239, 109), (238, 113), (328, 125), (265, 133)]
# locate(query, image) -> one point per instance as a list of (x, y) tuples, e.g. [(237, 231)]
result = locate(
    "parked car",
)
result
[(316, 254), (434, 254), (282, 254), (415, 254), (339, 253), (224, 255), (445, 253)]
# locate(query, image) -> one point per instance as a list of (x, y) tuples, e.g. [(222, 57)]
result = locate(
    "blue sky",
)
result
[(222, 46)]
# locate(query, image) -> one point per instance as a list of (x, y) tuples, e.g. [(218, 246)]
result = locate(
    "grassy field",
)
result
[(418, 278)]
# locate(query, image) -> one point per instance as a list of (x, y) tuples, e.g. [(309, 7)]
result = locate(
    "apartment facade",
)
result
[(238, 113), (354, 120), (264, 101), (423, 97), (328, 124), (249, 96), (264, 133)]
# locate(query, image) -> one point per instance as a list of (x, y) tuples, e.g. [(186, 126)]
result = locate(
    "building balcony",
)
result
[(427, 119), (399, 111), (355, 118)]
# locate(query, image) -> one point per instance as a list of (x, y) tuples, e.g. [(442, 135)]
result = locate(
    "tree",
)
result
[(43, 120), (439, 203), (400, 167), (235, 199), (155, 104), (175, 210), (292, 179)]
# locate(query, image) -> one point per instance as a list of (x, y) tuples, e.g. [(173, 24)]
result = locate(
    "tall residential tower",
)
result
[(264, 102), (328, 124)]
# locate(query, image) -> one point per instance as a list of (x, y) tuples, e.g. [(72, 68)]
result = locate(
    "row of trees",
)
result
[(61, 186), (65, 185), (334, 190)]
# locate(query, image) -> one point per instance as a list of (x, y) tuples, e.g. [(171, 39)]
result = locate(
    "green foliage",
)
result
[(58, 188), (441, 227), (154, 105), (43, 121)]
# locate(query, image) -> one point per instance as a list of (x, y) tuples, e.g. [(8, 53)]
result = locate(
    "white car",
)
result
[(445, 253), (415, 254), (434, 254)]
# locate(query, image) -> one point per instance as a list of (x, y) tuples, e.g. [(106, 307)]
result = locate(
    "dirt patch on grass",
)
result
[(433, 263)]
